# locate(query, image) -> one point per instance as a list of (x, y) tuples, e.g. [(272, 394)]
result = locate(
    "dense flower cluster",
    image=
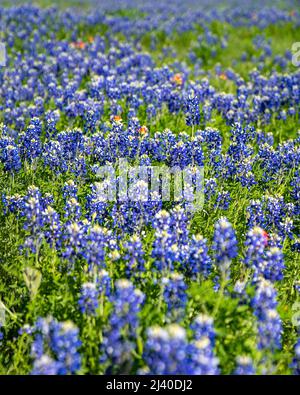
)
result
[(174, 294), (168, 351), (119, 337), (225, 245), (55, 348), (244, 366), (88, 301), (296, 361), (268, 319), (150, 186)]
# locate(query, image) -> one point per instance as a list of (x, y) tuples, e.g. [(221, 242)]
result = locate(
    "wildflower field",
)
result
[(150, 186)]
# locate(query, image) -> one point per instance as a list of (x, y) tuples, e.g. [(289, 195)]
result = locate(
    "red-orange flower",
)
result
[(177, 79), (266, 237), (78, 44), (143, 130), (223, 76), (117, 118)]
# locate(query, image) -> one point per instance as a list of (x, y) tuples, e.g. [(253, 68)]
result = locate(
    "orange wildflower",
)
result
[(78, 44), (143, 130), (177, 78), (266, 237), (117, 118)]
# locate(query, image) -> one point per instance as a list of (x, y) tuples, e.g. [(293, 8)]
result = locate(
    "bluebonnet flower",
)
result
[(244, 366), (174, 101), (136, 207), (285, 228), (47, 200), (26, 329), (151, 111), (179, 224), (54, 157), (55, 348), (201, 358), (203, 326), (174, 295), (30, 143), (295, 193), (245, 174), (198, 259), (270, 161), (79, 166), (97, 202), (36, 124), (207, 111), (45, 365), (70, 190), (34, 219), (192, 109), (88, 301), (65, 344), (14, 204), (210, 188), (296, 360), (213, 140), (256, 242), (96, 241), (255, 214), (274, 211), (262, 137), (52, 226), (119, 336), (72, 210), (273, 264), (181, 154), (242, 135), (165, 350), (273, 214), (134, 255), (91, 116), (51, 119), (165, 249), (224, 244), (103, 281), (270, 329), (223, 200), (10, 157), (269, 323), (295, 183), (74, 241), (240, 290), (72, 143), (296, 245)]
